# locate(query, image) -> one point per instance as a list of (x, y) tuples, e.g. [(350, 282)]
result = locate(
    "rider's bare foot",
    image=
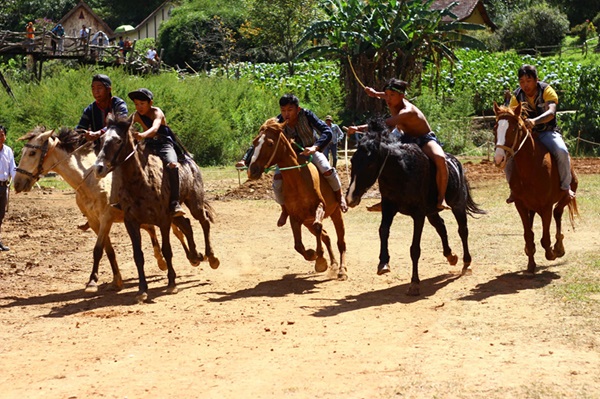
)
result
[(443, 205), (374, 208), (571, 194)]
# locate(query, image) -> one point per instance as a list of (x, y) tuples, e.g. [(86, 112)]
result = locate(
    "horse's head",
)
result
[(367, 162), (116, 144), (268, 145), (34, 156), (508, 133)]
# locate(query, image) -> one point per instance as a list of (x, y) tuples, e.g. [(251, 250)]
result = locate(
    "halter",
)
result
[(511, 150)]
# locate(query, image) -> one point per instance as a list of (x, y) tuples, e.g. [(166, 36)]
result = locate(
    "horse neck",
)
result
[(69, 166), (286, 157)]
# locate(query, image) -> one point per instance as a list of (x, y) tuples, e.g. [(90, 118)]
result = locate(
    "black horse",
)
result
[(407, 185)]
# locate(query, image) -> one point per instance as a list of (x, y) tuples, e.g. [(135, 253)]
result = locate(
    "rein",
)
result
[(511, 150), (272, 167)]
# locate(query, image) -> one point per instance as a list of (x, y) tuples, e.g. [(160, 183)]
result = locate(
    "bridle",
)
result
[(45, 149), (516, 144), (113, 161)]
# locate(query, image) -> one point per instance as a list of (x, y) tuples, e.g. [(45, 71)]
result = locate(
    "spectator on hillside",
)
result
[(83, 34), (126, 47), (151, 56)]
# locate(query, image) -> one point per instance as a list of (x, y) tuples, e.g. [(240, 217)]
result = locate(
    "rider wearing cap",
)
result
[(160, 139), (93, 120)]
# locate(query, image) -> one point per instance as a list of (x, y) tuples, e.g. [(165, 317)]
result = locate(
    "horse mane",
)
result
[(71, 140)]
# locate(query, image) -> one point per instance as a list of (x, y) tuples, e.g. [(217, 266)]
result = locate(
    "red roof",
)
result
[(464, 8)]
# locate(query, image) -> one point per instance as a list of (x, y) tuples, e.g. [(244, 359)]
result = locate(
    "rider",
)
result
[(160, 139), (93, 119), (301, 126), (540, 101), (408, 119)]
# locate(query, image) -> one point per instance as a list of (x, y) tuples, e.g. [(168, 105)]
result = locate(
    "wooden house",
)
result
[(81, 15), (472, 11)]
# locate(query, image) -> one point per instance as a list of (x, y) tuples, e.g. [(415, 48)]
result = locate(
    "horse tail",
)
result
[(573, 211), (209, 212), (471, 206)]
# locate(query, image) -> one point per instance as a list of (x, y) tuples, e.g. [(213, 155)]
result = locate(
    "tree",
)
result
[(279, 25), (537, 26), (378, 40)]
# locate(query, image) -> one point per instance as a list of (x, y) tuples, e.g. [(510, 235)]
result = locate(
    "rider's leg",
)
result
[(331, 176), (172, 170), (557, 147), (278, 191), (435, 152)]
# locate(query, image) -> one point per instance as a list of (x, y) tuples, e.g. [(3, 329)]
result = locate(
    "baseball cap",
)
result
[(141, 94), (105, 80), (329, 118)]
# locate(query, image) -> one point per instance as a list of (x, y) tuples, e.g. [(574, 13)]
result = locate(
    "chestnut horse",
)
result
[(144, 196), (407, 184), (69, 156), (534, 182), (308, 197)]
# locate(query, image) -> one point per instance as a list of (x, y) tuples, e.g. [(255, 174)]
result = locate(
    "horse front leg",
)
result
[(308, 254), (162, 265), (340, 231), (415, 254), (103, 243), (317, 230), (387, 217), (165, 232), (133, 229), (559, 248), (438, 223), (546, 241), (527, 221)]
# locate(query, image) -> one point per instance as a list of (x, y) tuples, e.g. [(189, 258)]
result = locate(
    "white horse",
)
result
[(68, 155)]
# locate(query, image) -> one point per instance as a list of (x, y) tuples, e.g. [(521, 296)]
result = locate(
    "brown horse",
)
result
[(144, 196), (534, 182), (308, 197)]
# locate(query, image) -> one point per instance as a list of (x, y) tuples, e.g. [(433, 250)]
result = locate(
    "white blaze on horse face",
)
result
[(257, 149), (500, 155)]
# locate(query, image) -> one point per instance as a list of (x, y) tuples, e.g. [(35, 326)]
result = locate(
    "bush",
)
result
[(538, 26)]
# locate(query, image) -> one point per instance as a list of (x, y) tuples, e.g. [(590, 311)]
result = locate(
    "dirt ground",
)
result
[(264, 325)]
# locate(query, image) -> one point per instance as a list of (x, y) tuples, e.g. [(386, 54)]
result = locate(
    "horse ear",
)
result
[(517, 110), (496, 108)]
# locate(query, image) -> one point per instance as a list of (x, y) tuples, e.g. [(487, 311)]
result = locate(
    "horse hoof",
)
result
[(310, 254), (342, 276), (466, 271), (383, 269), (452, 259), (320, 265), (141, 297), (162, 265), (550, 255), (413, 290), (172, 290), (91, 287), (214, 262)]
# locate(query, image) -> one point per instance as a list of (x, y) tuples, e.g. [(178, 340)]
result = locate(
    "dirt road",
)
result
[(264, 325)]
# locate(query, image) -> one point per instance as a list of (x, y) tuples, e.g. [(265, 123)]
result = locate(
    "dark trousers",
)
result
[(3, 202)]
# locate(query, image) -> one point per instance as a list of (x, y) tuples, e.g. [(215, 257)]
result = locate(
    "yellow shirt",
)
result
[(549, 96)]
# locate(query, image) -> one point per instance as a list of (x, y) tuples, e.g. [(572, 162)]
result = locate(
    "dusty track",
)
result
[(264, 326)]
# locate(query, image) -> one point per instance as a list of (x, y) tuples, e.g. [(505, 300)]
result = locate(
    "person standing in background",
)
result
[(336, 136), (7, 173)]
